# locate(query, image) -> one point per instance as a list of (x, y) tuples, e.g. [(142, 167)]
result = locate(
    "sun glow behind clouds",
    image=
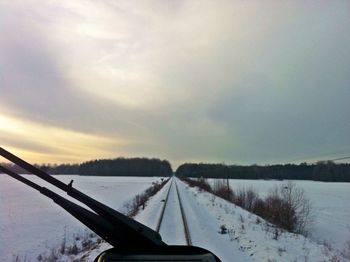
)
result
[(43, 144), (184, 80)]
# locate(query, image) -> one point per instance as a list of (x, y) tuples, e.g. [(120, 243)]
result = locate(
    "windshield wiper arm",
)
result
[(93, 221), (124, 230)]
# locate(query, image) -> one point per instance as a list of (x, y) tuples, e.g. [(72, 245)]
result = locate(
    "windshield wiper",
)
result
[(131, 240), (122, 230)]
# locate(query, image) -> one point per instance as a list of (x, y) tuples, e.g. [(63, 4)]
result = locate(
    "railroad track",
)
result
[(173, 186), (163, 208)]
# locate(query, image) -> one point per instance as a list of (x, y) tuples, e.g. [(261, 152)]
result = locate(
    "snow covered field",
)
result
[(330, 201), (31, 223)]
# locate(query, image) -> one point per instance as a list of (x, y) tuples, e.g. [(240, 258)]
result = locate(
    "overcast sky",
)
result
[(213, 81)]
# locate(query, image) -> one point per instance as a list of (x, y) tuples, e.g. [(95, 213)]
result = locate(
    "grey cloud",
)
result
[(33, 86), (271, 86)]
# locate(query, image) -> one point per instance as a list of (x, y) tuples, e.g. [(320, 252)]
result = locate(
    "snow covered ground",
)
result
[(31, 224), (331, 207), (25, 213), (172, 230), (247, 239)]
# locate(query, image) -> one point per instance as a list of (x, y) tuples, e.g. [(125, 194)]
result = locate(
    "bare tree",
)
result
[(289, 208)]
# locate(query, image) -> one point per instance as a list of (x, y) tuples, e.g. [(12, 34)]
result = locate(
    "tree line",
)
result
[(106, 167), (54, 169), (126, 167), (321, 171)]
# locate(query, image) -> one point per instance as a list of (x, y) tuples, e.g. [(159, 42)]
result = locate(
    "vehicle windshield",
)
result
[(218, 126)]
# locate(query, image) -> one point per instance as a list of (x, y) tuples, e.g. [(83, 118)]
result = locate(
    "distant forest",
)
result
[(321, 171), (126, 167), (108, 167)]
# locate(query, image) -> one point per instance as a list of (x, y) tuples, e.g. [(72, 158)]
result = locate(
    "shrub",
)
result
[(223, 190), (251, 198), (247, 198), (289, 208), (202, 183), (260, 208)]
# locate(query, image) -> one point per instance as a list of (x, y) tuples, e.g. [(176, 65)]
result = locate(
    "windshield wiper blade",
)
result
[(126, 231), (93, 221)]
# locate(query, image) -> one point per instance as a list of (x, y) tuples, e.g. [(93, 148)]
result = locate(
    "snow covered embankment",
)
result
[(245, 232)]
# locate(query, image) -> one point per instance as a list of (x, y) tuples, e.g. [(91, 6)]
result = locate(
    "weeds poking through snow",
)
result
[(223, 229), (280, 250), (276, 234), (81, 242), (18, 258), (231, 234), (63, 244), (73, 250), (346, 250), (242, 229), (241, 218), (258, 220)]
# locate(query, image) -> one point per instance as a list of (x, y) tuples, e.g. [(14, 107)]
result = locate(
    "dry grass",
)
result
[(139, 202)]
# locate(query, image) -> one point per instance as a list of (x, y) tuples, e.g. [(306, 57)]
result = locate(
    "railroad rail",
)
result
[(183, 215), (163, 208)]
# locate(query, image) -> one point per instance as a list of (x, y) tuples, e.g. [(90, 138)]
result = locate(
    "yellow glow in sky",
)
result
[(44, 144)]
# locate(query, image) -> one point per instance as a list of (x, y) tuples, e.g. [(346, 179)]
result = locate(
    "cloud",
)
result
[(43, 142), (232, 81)]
